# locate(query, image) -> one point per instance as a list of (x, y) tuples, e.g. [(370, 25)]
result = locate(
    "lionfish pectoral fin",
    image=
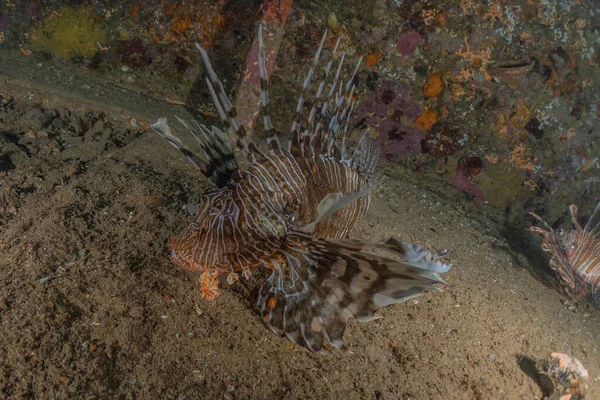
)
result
[(162, 128), (327, 281), (327, 206), (221, 165), (331, 204), (415, 255)]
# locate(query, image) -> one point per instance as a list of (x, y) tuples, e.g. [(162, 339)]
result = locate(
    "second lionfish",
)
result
[(291, 211), (575, 254)]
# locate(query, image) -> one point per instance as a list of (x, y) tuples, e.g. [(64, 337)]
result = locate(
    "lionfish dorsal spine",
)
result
[(228, 113), (588, 224), (317, 102), (295, 129), (273, 137), (574, 217)]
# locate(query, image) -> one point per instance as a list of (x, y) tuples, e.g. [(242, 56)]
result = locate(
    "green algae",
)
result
[(69, 33), (503, 185)]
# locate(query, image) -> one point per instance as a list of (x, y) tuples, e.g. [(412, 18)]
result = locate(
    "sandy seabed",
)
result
[(92, 308)]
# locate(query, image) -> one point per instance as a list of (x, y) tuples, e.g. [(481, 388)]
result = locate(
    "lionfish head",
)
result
[(204, 244)]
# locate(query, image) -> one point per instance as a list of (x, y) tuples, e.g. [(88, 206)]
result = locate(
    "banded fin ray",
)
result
[(227, 112), (588, 224), (273, 137), (162, 128), (296, 129), (221, 165), (332, 280)]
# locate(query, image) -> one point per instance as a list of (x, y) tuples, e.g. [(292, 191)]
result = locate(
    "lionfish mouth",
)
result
[(175, 257), (184, 262)]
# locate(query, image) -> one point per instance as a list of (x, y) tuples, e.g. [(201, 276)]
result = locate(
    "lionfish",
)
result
[(575, 255), (291, 211)]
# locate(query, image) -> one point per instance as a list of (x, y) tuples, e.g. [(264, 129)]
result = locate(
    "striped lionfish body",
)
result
[(291, 211), (575, 255)]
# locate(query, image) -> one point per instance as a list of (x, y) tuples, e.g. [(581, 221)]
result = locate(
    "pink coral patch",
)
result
[(408, 42), (467, 169)]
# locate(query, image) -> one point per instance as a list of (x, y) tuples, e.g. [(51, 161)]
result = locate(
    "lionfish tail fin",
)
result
[(221, 165), (324, 282)]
